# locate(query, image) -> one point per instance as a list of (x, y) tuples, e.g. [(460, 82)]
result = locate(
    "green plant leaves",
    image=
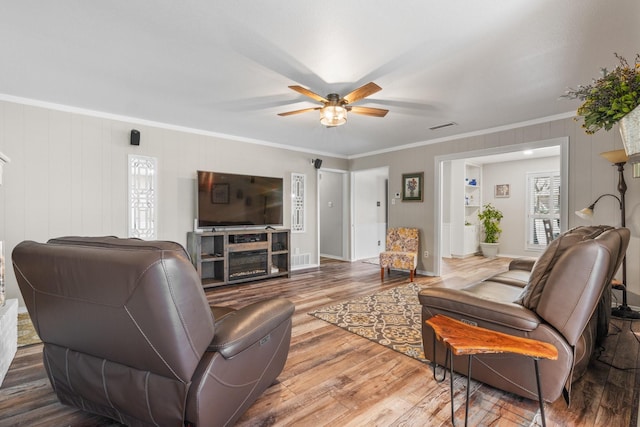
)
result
[(490, 218), (609, 98)]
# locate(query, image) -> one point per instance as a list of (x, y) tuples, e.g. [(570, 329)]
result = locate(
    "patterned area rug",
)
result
[(26, 333), (391, 318)]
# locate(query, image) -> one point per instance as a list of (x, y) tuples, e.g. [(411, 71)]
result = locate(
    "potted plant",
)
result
[(490, 218), (613, 98)]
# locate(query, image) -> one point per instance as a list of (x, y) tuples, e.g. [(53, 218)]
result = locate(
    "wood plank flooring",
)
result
[(335, 378)]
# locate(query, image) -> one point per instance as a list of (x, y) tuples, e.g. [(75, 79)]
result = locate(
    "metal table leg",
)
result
[(466, 405), (535, 363), (450, 357), (434, 364)]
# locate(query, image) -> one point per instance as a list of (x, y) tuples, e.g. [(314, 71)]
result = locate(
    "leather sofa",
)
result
[(562, 298), (128, 333)]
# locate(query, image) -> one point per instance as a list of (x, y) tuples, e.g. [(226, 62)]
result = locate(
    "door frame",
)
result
[(562, 142), (345, 210)]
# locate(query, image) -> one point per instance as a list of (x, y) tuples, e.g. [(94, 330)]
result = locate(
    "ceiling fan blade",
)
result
[(362, 92), (304, 110), (307, 92), (368, 111)]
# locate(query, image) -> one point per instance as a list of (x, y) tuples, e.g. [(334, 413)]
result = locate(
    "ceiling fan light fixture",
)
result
[(333, 115)]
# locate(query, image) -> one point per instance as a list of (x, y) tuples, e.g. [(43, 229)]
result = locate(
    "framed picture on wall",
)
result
[(220, 194), (412, 186), (502, 190)]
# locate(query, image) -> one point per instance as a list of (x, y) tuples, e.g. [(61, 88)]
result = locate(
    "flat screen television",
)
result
[(233, 200)]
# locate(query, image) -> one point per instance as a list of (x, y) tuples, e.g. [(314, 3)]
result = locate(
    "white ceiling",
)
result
[(224, 67)]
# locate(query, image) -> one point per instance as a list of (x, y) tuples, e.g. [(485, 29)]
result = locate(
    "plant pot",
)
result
[(489, 250), (630, 133)]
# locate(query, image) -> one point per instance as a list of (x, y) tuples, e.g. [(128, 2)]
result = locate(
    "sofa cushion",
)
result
[(519, 278), (530, 296)]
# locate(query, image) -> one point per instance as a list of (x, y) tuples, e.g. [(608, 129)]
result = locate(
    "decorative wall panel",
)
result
[(143, 194)]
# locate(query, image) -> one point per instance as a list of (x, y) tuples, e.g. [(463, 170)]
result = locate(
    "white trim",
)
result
[(346, 214), (547, 119), (168, 126)]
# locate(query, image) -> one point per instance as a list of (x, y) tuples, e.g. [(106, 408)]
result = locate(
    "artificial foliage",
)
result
[(609, 98)]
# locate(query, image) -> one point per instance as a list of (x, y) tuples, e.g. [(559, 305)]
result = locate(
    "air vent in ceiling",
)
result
[(444, 125)]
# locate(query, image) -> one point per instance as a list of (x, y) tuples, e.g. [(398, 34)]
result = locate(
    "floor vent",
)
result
[(298, 260)]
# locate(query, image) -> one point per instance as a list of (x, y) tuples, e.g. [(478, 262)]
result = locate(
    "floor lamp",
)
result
[(618, 158)]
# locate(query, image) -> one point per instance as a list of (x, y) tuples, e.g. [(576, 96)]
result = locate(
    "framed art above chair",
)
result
[(412, 186)]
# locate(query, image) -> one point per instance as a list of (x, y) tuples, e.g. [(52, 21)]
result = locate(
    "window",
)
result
[(297, 203), (543, 205), (143, 200)]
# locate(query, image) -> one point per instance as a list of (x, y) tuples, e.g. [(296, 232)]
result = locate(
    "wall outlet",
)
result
[(426, 254), (378, 242)]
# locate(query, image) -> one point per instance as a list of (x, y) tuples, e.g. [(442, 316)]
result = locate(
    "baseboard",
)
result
[(426, 273), (305, 267)]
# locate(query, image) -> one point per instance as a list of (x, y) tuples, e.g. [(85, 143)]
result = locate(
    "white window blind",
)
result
[(543, 204)]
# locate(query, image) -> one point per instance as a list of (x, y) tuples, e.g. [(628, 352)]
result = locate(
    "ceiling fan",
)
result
[(334, 109)]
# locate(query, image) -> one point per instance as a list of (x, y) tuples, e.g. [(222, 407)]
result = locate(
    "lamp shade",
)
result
[(333, 115), (586, 213), (615, 156)]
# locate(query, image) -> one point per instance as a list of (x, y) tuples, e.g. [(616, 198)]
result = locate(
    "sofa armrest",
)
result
[(525, 263), (238, 330), (470, 306)]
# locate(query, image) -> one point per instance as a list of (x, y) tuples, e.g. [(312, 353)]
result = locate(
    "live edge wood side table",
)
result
[(463, 339)]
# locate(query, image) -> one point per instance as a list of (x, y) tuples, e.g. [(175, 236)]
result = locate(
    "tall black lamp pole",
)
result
[(619, 158)]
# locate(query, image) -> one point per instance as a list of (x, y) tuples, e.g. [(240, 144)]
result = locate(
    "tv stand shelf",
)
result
[(227, 257)]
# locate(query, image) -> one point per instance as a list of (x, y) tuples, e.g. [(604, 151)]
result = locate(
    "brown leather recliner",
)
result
[(128, 333), (562, 299)]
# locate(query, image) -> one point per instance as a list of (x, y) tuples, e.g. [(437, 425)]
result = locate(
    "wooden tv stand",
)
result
[(226, 257)]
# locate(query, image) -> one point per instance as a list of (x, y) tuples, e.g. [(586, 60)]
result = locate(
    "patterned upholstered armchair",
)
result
[(401, 251)]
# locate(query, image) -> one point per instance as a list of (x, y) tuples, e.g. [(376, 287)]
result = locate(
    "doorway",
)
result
[(455, 242), (333, 213)]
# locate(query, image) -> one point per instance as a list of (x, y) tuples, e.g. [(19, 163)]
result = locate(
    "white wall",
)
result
[(68, 176), (589, 176), (513, 224)]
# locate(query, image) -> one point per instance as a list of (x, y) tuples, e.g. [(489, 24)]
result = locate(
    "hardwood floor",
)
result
[(335, 378)]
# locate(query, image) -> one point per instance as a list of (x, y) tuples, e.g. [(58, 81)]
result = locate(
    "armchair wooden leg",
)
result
[(381, 273), (411, 275)]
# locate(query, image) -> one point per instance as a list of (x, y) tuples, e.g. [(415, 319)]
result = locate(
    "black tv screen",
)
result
[(232, 200)]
